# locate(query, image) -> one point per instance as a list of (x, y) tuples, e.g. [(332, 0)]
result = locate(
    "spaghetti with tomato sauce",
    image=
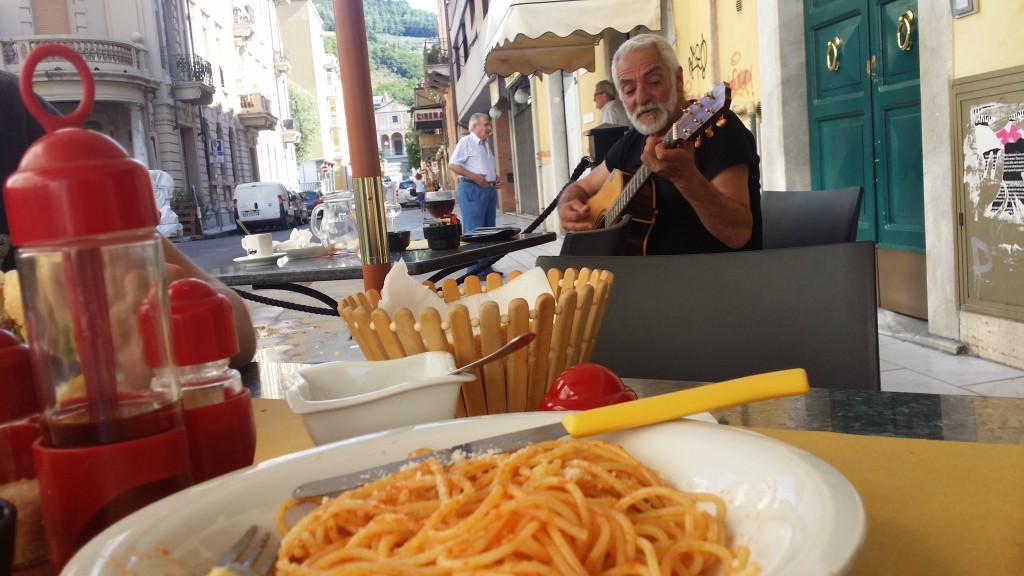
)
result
[(560, 507)]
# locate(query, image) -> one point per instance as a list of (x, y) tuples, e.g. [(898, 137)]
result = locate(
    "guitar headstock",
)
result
[(699, 116)]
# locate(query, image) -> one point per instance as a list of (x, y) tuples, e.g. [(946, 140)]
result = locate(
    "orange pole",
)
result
[(354, 63)]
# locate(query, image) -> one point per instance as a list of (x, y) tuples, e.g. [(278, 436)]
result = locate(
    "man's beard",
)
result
[(660, 120)]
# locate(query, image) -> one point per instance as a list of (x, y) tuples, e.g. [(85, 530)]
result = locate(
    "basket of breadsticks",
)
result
[(563, 308)]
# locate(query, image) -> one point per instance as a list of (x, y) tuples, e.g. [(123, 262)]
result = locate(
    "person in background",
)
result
[(19, 130), (477, 193), (708, 199), (421, 190), (612, 110)]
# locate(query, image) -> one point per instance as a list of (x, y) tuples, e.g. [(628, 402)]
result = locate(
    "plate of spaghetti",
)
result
[(682, 497)]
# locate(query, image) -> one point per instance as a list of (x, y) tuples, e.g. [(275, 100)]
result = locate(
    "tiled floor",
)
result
[(909, 362)]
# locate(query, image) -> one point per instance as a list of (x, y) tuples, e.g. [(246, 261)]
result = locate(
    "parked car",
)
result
[(407, 193), (300, 212), (312, 198), (263, 205)]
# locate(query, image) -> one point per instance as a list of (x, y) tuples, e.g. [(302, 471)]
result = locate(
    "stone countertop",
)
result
[(992, 420), (349, 267)]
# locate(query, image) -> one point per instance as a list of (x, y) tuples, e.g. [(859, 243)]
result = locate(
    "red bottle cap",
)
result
[(17, 383), (202, 322), (73, 182)]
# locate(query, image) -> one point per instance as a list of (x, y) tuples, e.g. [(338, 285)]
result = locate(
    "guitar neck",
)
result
[(628, 192)]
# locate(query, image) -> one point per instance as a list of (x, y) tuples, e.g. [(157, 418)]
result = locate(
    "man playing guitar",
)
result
[(706, 197)]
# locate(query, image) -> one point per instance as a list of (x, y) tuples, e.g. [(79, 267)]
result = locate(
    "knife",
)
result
[(622, 416)]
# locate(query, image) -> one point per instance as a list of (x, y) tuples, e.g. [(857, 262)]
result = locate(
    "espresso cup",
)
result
[(258, 245)]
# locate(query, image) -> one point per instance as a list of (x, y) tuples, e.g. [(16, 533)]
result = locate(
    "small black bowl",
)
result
[(398, 240), (442, 234)]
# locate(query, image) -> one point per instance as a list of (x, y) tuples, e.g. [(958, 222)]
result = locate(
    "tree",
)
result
[(412, 148), (304, 110)]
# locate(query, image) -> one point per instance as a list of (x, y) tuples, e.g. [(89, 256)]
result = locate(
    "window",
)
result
[(50, 17), (394, 118)]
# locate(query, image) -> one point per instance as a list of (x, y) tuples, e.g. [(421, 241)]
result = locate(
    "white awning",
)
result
[(527, 36)]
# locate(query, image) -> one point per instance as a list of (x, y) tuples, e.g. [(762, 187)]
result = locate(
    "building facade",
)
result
[(194, 89)]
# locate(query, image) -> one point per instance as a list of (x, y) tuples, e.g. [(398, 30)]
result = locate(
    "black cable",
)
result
[(287, 305), (585, 163)]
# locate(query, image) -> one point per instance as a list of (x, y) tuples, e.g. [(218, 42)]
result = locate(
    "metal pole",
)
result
[(350, 30)]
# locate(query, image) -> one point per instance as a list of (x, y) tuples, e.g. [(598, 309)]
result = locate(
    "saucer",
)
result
[(259, 260)]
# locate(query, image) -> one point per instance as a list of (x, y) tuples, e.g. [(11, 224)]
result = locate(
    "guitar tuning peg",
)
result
[(709, 111), (696, 143), (687, 112), (721, 122), (710, 133)]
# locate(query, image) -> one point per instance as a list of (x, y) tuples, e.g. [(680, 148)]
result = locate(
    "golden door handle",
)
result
[(832, 54), (904, 29), (871, 62)]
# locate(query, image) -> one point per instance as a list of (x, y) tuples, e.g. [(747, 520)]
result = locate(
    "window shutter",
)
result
[(50, 17)]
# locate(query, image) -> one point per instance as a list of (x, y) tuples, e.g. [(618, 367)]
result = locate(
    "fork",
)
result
[(246, 557)]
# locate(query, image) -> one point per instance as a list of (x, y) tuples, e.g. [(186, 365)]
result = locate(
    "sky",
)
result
[(428, 5)]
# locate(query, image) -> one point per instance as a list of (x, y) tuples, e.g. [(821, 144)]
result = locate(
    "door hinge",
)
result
[(960, 218)]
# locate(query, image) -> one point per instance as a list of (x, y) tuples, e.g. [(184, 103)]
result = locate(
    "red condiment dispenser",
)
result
[(218, 409), (83, 216)]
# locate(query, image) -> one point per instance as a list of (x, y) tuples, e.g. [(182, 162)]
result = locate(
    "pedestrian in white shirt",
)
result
[(472, 160)]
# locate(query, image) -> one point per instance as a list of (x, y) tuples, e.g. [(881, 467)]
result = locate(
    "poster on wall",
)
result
[(993, 173)]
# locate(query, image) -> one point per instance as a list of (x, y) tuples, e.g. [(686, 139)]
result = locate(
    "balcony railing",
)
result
[(256, 111), (282, 62), (101, 55), (244, 15), (191, 68), (244, 25), (436, 65)]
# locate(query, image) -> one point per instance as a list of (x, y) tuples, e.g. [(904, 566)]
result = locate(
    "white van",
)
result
[(264, 204)]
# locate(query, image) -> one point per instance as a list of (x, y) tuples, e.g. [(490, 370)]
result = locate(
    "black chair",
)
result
[(610, 241), (803, 218), (710, 317)]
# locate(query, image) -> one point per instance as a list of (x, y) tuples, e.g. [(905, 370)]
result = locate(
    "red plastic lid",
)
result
[(202, 322), (17, 383), (74, 182)]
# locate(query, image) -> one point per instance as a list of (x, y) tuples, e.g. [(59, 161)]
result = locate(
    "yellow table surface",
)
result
[(934, 507)]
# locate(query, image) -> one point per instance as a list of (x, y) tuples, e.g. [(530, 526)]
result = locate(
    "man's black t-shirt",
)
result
[(677, 228)]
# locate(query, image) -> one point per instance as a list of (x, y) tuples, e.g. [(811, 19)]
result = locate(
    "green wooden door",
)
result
[(864, 112)]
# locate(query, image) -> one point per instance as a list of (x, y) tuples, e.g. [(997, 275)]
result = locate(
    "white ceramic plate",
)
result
[(797, 514), (313, 251), (259, 260)]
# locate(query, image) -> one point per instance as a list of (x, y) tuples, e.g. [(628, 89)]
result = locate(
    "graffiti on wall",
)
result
[(993, 173), (697, 61), (741, 80)]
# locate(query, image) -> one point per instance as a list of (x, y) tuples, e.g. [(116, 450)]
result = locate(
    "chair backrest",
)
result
[(610, 241), (802, 218), (710, 317)]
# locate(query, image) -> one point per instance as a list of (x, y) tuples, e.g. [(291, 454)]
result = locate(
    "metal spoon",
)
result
[(514, 344)]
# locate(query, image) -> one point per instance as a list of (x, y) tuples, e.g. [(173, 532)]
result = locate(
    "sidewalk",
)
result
[(911, 359)]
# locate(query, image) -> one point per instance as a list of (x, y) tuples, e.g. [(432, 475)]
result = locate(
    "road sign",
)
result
[(325, 168)]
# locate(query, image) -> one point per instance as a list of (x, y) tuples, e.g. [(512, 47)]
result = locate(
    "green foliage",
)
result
[(401, 61), (394, 33), (331, 44), (304, 109), (412, 148)]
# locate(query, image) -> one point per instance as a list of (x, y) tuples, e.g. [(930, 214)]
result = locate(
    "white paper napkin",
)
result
[(299, 238), (402, 291)]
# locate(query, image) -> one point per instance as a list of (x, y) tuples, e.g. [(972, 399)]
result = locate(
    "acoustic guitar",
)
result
[(631, 194)]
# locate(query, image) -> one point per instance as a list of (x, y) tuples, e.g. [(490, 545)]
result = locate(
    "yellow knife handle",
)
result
[(686, 402)]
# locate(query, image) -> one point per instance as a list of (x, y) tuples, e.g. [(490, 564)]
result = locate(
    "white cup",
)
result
[(258, 245)]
